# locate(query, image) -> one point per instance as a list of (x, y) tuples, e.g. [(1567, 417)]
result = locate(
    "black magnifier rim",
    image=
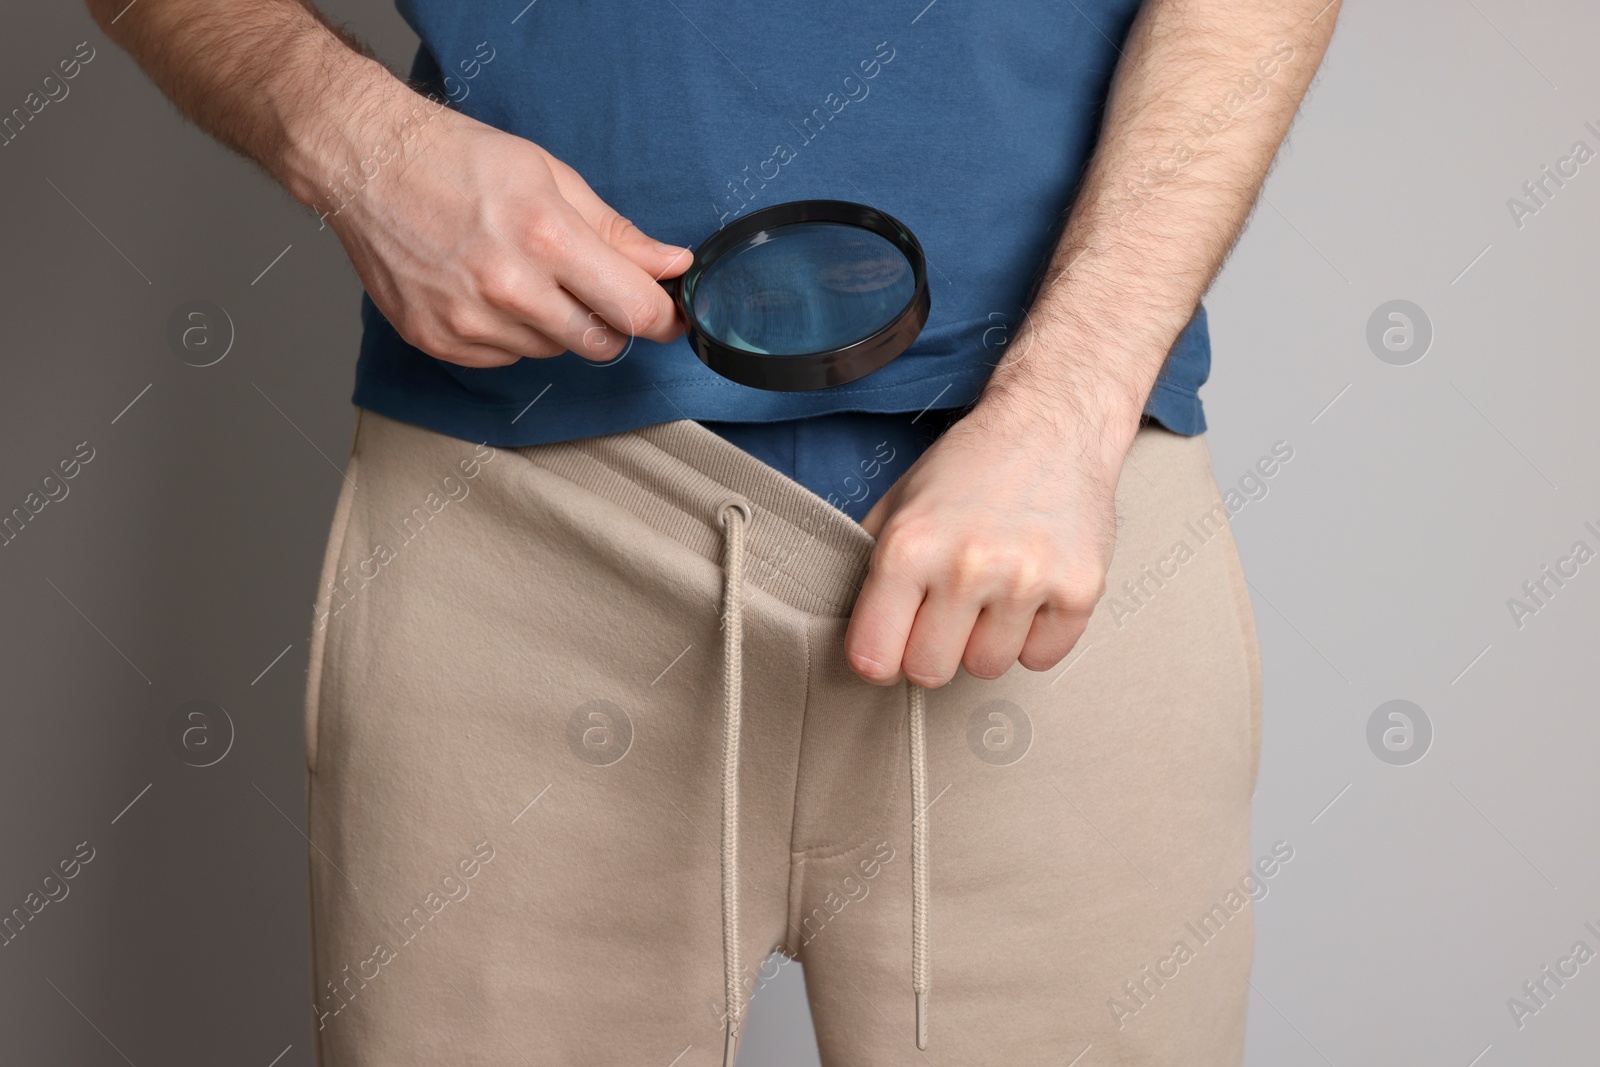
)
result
[(811, 370)]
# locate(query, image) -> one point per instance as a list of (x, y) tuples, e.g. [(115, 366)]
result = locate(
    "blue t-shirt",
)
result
[(849, 458), (970, 123)]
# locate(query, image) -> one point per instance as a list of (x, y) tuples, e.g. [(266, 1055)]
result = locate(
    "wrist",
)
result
[(1094, 392), (327, 138)]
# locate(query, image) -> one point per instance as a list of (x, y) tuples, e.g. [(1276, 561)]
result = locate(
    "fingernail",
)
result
[(670, 250)]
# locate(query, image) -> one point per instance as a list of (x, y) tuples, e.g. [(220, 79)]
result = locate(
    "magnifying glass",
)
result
[(804, 295)]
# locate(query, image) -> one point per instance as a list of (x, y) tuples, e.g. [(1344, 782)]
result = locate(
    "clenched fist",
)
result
[(992, 549)]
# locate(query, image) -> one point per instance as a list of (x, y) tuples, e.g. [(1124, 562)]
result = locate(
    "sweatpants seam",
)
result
[(333, 552), (817, 596), (622, 476), (794, 926), (792, 946), (794, 805), (528, 452), (316, 680), (832, 539), (1248, 649), (834, 850)]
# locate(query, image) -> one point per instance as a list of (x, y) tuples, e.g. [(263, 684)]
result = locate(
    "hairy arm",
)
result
[(479, 247), (993, 548), (270, 79), (1199, 105)]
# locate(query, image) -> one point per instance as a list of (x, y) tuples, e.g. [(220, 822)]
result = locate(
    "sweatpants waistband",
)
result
[(678, 476)]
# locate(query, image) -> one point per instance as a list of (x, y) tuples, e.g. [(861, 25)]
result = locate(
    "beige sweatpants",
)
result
[(515, 722)]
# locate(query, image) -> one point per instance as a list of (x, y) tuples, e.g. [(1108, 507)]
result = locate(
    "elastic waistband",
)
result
[(678, 476)]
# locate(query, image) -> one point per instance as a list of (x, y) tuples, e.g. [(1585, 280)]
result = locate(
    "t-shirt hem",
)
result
[(1176, 409), (464, 417)]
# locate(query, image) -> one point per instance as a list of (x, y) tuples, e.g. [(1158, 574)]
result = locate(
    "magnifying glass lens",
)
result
[(803, 288)]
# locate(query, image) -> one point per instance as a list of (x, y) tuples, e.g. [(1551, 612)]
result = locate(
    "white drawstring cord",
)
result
[(921, 976), (734, 517)]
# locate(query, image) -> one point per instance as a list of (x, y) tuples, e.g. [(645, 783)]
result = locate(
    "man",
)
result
[(584, 601)]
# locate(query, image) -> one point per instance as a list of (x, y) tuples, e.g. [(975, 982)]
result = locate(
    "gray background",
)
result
[(182, 564)]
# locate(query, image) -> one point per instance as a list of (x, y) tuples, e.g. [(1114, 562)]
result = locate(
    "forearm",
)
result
[(268, 78), (1199, 104)]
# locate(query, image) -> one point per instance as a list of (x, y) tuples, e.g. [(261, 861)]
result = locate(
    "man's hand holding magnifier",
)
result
[(480, 247)]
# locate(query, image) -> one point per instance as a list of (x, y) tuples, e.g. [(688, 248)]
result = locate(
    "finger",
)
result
[(600, 277), (528, 316), (879, 513), (548, 311), (471, 355), (875, 641), (660, 259), (997, 638), (492, 344), (938, 637), (1054, 632)]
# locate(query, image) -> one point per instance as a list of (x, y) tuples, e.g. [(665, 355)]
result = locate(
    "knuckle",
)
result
[(615, 229), (1034, 659), (1024, 579), (647, 314), (985, 665), (543, 348), (461, 320), (547, 236), (501, 285), (1078, 592), (425, 334), (903, 547), (974, 564)]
